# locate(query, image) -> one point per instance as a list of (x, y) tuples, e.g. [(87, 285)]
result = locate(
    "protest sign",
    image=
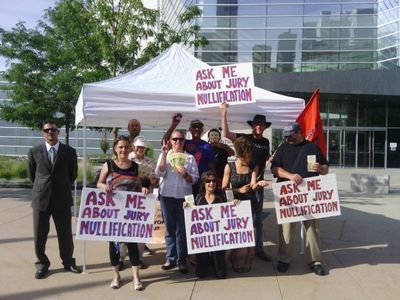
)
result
[(233, 84), (118, 216), (159, 226), (219, 227), (316, 197)]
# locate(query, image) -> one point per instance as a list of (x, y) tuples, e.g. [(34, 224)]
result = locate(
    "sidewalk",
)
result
[(361, 249)]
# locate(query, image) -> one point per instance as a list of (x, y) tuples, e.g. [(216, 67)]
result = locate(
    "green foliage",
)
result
[(11, 168), (80, 41), (90, 173)]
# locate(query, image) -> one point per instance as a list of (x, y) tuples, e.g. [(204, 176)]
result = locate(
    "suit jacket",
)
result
[(52, 184)]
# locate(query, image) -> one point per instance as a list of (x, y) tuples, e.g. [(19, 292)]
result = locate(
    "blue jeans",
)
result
[(175, 235), (258, 223)]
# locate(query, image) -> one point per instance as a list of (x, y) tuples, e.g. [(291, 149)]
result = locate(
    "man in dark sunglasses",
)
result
[(52, 170), (201, 150)]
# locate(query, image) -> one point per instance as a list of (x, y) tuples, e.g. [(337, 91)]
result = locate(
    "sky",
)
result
[(30, 11), (13, 11)]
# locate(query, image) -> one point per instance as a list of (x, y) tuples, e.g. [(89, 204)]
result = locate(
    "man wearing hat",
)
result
[(201, 150), (291, 163), (260, 154)]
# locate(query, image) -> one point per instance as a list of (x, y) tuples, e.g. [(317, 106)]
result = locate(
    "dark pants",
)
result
[(41, 228), (133, 252), (215, 259), (258, 222), (175, 235)]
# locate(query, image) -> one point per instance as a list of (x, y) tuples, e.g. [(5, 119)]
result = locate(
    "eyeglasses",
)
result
[(47, 130), (177, 139), (211, 181)]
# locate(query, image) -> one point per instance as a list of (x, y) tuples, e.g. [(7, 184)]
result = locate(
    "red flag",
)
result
[(310, 121)]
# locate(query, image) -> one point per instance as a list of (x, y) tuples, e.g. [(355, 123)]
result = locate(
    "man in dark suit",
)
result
[(52, 170)]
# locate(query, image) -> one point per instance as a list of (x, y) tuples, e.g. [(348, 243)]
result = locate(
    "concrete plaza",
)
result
[(361, 250)]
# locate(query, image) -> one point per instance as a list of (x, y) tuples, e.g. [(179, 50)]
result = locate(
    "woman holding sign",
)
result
[(122, 174), (242, 177), (178, 172), (210, 194)]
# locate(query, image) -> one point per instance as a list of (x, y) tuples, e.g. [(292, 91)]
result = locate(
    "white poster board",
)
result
[(119, 216), (233, 84), (316, 197), (219, 227)]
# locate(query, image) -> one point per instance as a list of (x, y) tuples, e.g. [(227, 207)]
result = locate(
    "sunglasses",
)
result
[(47, 130), (211, 180), (178, 139)]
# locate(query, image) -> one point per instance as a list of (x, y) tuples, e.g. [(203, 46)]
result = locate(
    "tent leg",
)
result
[(84, 185)]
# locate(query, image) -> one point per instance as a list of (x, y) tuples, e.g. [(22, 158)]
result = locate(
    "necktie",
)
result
[(52, 155)]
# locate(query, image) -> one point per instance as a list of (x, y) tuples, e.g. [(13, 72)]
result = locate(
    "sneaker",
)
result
[(282, 266), (318, 269), (168, 266), (138, 286), (147, 251), (114, 284)]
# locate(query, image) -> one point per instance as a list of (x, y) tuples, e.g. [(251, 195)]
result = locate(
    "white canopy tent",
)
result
[(161, 88), (156, 91)]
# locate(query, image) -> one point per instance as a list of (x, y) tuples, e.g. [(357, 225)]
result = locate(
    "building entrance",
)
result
[(363, 148)]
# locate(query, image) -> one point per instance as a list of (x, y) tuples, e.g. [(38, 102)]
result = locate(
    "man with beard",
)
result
[(290, 163)]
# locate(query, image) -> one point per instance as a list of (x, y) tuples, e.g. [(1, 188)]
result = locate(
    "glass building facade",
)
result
[(296, 35), (348, 48)]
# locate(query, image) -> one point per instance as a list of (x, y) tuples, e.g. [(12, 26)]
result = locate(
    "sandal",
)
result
[(138, 286), (114, 284)]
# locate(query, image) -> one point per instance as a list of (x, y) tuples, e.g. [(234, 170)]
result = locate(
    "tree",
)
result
[(81, 41)]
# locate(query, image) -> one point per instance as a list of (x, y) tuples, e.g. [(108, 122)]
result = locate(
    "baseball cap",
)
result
[(140, 142), (291, 128), (197, 123)]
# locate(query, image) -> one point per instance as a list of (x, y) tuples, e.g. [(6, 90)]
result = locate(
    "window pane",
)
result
[(353, 44), (342, 112), (356, 66), (387, 53), (215, 33), (249, 22), (320, 56), (321, 21), (245, 10), (331, 33), (321, 9), (358, 20), (361, 56), (372, 112), (359, 8), (367, 33), (285, 9), (321, 44), (249, 34), (284, 21)]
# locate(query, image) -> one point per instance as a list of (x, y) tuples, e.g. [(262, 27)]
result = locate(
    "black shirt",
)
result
[(260, 152), (293, 158)]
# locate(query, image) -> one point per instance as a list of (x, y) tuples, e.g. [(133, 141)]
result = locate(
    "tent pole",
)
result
[(75, 183), (84, 173)]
